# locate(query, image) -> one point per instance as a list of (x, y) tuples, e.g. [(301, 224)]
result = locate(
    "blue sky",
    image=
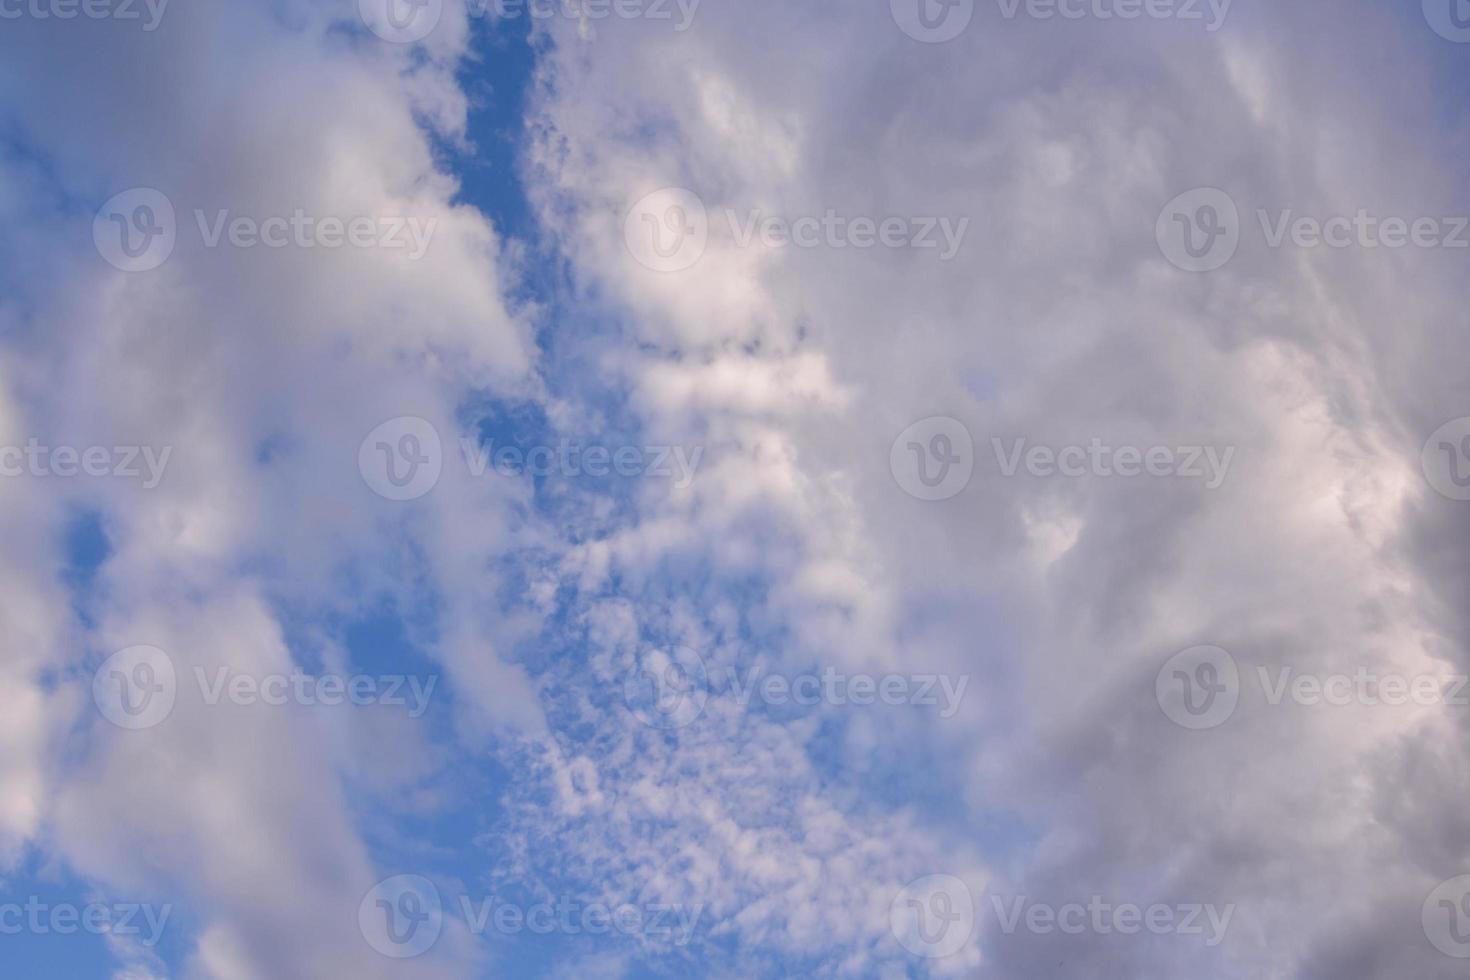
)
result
[(734, 490)]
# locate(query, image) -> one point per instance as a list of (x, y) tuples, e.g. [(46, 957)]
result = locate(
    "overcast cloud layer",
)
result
[(1035, 551)]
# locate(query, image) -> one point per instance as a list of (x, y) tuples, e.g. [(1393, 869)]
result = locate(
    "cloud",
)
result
[(1058, 321), (261, 369), (984, 217)]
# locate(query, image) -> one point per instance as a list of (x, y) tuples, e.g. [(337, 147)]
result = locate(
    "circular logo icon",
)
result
[(1199, 230), (401, 21), (668, 230), (933, 459), (667, 688), (933, 916), (1449, 18), (402, 916), (1446, 459), (1446, 918), (1199, 688), (932, 21), (135, 688), (136, 231), (401, 459)]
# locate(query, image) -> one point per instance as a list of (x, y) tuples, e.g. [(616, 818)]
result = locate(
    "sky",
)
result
[(665, 488)]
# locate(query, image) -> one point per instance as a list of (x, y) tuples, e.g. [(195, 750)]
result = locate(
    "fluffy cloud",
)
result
[(1036, 154), (1060, 321)]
